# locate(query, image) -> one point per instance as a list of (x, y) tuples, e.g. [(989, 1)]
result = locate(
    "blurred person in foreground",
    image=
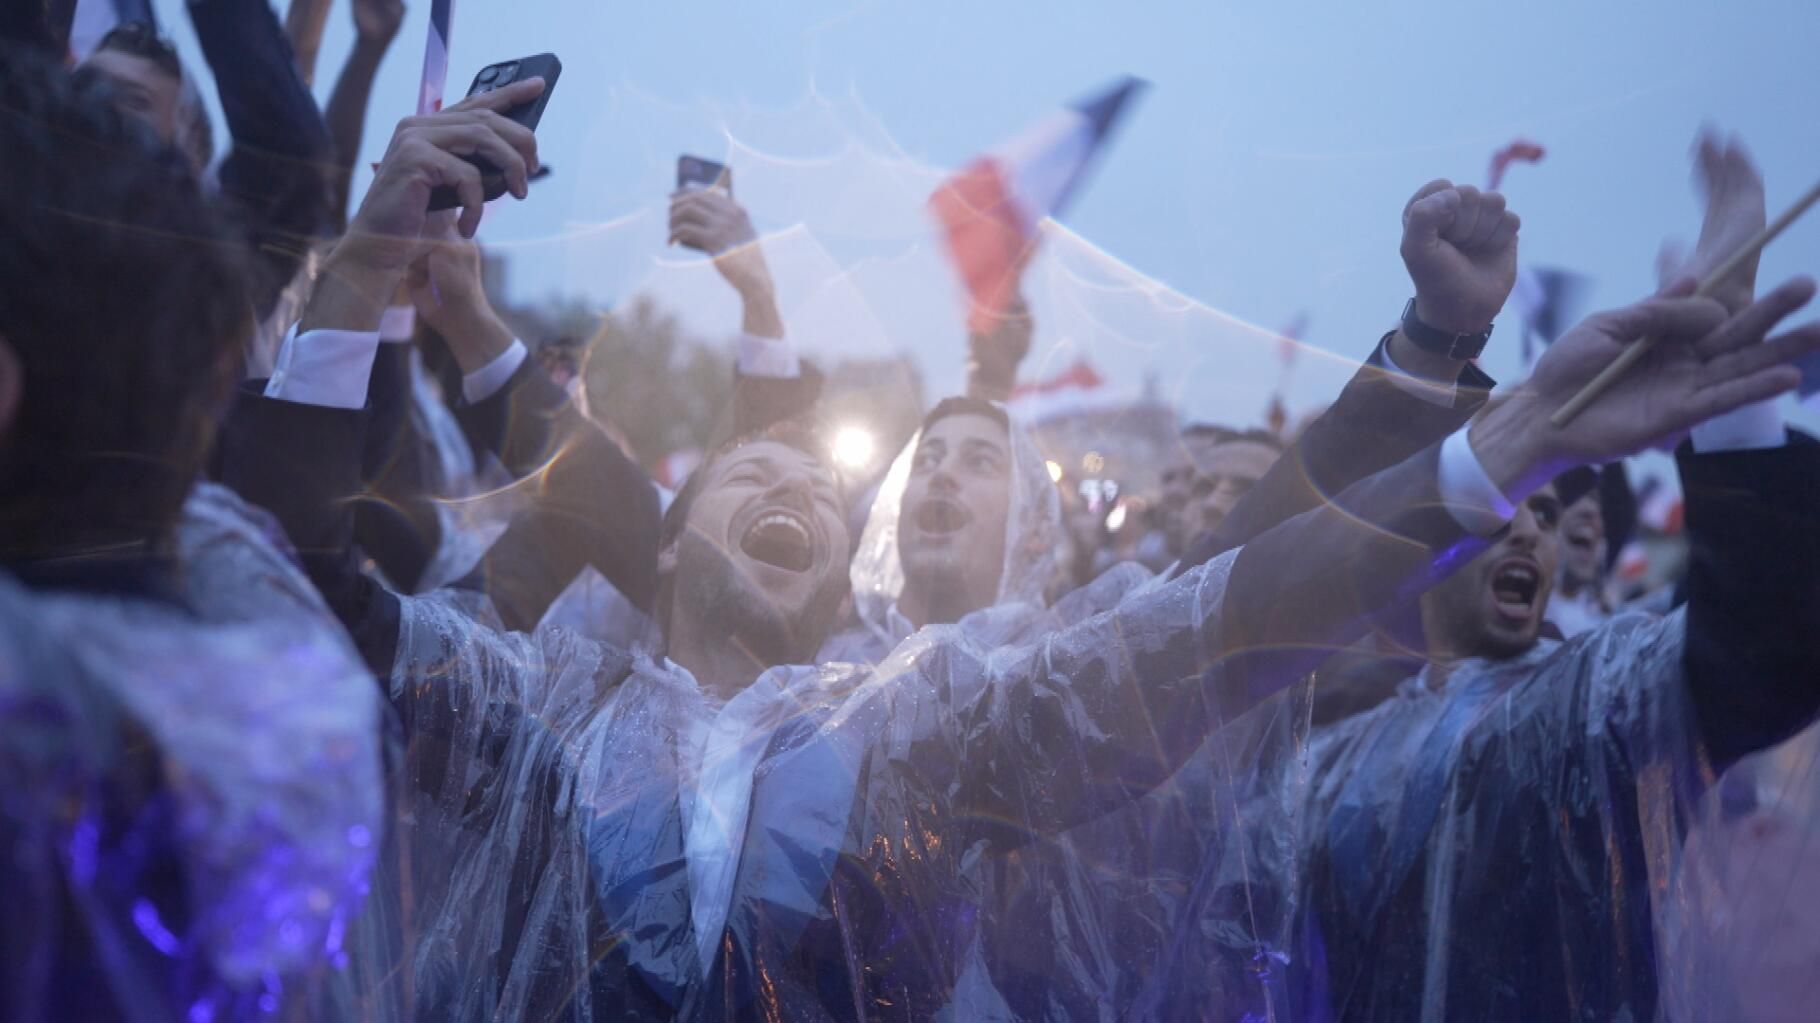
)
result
[(1496, 838), (190, 760), (276, 174), (735, 827)]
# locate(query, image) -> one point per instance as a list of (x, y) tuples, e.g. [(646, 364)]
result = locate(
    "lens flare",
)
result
[(854, 447)]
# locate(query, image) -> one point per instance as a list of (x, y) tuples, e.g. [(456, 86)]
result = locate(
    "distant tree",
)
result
[(660, 386)]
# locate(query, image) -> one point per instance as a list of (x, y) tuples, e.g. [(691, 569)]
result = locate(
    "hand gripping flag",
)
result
[(990, 209)]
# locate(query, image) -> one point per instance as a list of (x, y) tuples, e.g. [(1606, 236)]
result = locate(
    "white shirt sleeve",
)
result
[(398, 324), (1434, 392), (324, 367), (773, 357), (1753, 426), (486, 381), (1471, 497)]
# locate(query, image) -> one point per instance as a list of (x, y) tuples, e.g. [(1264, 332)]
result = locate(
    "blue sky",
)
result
[(1263, 174)]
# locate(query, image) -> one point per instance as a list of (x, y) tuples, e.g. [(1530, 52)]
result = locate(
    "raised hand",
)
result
[(446, 288), (1705, 363), (711, 221), (1733, 189), (1460, 247), (426, 152), (377, 21), (994, 356)]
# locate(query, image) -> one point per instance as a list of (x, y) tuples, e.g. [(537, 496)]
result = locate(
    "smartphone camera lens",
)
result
[(487, 75), (507, 73)]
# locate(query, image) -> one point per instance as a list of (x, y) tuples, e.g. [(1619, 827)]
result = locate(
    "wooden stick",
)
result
[(1627, 358)]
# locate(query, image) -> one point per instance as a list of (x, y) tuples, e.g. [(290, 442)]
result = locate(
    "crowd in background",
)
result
[(362, 656)]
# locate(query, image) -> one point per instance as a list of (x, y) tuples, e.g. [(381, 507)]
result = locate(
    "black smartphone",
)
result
[(496, 76), (695, 172)]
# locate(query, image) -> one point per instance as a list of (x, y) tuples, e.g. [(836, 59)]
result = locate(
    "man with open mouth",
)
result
[(734, 829), (1499, 836)]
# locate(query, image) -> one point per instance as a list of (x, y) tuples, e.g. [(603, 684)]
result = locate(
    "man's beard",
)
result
[(712, 587)]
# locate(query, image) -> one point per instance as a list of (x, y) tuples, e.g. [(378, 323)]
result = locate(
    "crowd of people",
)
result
[(352, 666)]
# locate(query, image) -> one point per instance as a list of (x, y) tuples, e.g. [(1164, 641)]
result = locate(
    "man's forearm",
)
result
[(346, 114)]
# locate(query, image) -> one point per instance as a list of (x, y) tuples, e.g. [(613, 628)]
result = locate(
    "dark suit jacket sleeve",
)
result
[(594, 507), (302, 463), (1753, 609), (276, 172), (759, 402), (1373, 425), (397, 525)]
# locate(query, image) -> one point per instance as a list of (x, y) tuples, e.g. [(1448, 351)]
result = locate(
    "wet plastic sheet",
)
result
[(191, 806), (1498, 844), (553, 781)]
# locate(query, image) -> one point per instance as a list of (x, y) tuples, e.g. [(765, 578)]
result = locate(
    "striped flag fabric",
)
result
[(435, 57), (1519, 151), (990, 210)]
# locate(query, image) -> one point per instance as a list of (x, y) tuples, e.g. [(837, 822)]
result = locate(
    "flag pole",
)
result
[(1629, 357)]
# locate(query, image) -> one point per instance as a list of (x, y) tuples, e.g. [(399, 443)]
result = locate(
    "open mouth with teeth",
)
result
[(780, 540), (1514, 586), (939, 516)]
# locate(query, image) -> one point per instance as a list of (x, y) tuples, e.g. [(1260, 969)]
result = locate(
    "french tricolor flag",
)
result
[(990, 209)]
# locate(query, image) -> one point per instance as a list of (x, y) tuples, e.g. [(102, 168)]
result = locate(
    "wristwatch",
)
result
[(1441, 342)]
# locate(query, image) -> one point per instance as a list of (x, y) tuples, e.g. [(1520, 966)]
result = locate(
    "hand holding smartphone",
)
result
[(497, 76), (695, 172)]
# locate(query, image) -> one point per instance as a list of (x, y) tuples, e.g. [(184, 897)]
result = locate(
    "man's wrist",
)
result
[(1419, 362), (759, 316), (1508, 440), (352, 291), (1440, 320), (476, 338)]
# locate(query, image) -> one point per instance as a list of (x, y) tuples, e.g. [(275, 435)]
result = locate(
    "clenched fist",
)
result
[(1460, 246)]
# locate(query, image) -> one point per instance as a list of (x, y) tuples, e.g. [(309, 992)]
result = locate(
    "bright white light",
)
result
[(1116, 521), (1055, 471), (853, 447)]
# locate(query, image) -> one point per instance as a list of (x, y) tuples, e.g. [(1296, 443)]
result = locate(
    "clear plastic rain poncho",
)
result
[(1498, 842), (192, 788), (590, 835), (1035, 548)]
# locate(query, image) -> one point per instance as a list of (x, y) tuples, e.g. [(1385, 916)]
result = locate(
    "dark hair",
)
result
[(965, 405), (137, 39), (124, 303), (1227, 435)]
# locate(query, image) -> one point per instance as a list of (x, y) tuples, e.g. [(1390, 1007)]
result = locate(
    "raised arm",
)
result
[(1460, 248), (1108, 708), (375, 25), (773, 382), (297, 447), (276, 171)]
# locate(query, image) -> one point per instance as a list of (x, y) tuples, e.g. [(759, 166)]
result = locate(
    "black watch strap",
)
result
[(1442, 342)]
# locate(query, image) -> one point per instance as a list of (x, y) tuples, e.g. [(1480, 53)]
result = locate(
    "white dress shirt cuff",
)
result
[(486, 381), (324, 367), (1754, 426), (1471, 497), (1434, 392), (773, 357), (398, 324)]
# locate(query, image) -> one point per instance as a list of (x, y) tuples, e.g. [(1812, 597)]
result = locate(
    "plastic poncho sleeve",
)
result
[(1058, 733)]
